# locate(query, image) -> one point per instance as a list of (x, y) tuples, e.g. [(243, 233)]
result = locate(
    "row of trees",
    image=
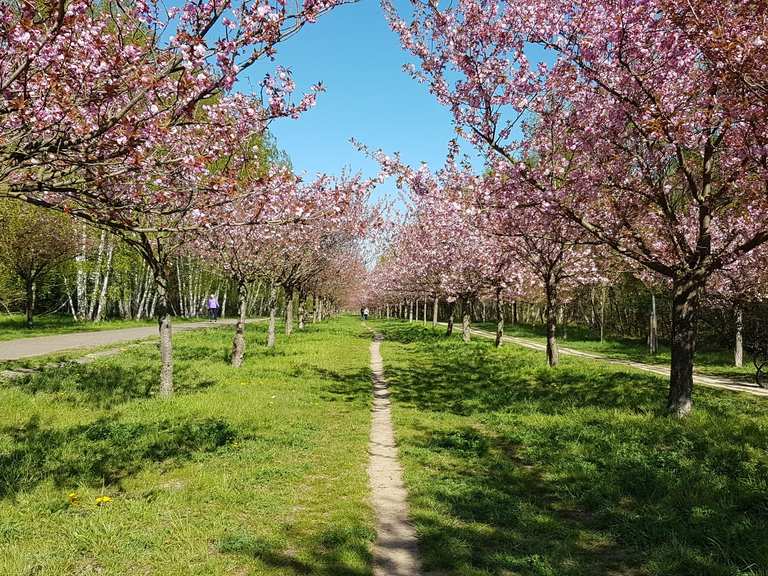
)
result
[(126, 117), (641, 132)]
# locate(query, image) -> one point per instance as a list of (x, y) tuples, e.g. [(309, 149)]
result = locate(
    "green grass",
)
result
[(517, 469), (260, 470), (14, 326), (711, 362)]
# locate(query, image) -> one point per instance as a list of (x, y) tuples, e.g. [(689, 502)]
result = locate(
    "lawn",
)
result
[(517, 469), (709, 361), (14, 325), (260, 470)]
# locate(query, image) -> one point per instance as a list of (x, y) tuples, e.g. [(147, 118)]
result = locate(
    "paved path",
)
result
[(395, 552), (710, 381), (44, 345)]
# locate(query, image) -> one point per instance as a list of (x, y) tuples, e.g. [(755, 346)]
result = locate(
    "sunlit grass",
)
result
[(260, 470), (516, 468)]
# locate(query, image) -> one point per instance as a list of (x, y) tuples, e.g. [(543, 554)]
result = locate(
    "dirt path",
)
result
[(710, 381), (395, 552), (44, 345)]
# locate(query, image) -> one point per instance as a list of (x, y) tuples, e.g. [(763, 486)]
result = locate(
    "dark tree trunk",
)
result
[(29, 303), (514, 313), (238, 343), (685, 307), (553, 356), (451, 308), (499, 318)]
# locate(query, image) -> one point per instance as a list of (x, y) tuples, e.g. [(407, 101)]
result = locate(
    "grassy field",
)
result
[(14, 326), (712, 362), (260, 470), (517, 469)]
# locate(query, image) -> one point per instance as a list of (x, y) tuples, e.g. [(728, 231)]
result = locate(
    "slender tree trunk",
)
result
[(603, 296), (550, 313), (223, 312), (95, 277), (29, 303), (499, 318), (104, 285), (738, 349), (653, 338), (685, 305), (69, 300), (451, 308), (272, 316), (288, 311), (410, 311), (514, 313), (166, 337), (435, 309), (81, 280), (466, 320), (238, 343), (302, 309)]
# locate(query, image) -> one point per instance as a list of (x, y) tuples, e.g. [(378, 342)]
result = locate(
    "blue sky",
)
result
[(368, 96)]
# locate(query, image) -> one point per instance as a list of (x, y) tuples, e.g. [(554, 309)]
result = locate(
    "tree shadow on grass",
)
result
[(102, 452), (446, 376), (519, 469), (336, 551), (105, 385)]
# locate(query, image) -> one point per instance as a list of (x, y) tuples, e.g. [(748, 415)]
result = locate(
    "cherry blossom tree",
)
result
[(124, 117), (649, 123)]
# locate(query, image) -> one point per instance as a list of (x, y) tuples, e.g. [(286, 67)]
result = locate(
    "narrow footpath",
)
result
[(710, 381), (44, 345), (395, 552)]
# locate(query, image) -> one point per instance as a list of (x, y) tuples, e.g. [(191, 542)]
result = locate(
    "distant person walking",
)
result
[(213, 308), (362, 313), (365, 314)]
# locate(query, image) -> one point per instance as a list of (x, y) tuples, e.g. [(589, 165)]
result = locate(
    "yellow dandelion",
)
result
[(101, 500), (73, 498)]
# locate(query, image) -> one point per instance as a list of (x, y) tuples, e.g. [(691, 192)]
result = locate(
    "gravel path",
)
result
[(710, 381), (44, 345), (395, 552)]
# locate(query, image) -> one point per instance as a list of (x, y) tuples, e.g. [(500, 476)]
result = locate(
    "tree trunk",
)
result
[(653, 337), (738, 349), (95, 277), (302, 309), (81, 280), (410, 311), (514, 313), (29, 303), (466, 320), (100, 308), (288, 311), (550, 313), (685, 307), (603, 295), (166, 338), (272, 316), (238, 343), (499, 319), (451, 308), (435, 308)]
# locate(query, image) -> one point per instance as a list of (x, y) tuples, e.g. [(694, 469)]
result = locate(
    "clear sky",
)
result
[(368, 96)]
